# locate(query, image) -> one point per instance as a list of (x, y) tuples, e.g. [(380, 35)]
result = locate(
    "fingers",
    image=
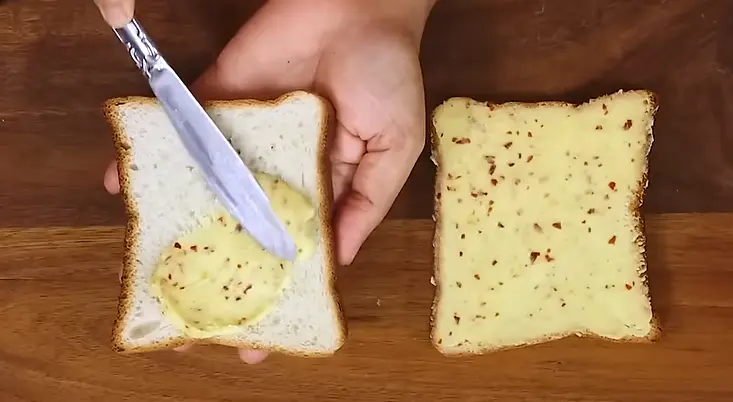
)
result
[(347, 150), (247, 356), (111, 181), (377, 181), (117, 13), (252, 356)]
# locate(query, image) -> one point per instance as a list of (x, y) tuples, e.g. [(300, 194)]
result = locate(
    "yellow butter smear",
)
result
[(217, 278)]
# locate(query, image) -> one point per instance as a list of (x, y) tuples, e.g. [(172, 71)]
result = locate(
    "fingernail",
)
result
[(116, 16)]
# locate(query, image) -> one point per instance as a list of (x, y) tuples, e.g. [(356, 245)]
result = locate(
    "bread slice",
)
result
[(165, 196), (538, 231)]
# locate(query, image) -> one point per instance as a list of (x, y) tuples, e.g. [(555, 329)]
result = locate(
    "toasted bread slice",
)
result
[(538, 230), (165, 195)]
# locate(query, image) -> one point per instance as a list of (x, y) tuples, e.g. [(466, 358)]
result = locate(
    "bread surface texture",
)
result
[(165, 196), (538, 230)]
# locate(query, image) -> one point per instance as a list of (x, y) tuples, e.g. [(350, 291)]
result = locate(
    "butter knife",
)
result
[(226, 174)]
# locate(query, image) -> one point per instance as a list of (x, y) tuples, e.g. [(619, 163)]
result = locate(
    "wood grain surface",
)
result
[(60, 233)]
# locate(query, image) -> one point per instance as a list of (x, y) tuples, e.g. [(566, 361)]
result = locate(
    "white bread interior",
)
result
[(538, 232), (165, 195)]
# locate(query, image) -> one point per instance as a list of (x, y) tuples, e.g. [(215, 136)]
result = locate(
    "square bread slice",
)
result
[(166, 196), (538, 229)]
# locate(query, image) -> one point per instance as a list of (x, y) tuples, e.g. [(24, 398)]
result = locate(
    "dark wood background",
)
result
[(60, 233)]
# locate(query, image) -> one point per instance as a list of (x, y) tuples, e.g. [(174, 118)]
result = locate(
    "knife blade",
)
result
[(225, 172)]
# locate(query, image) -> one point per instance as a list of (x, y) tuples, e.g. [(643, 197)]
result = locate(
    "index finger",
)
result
[(117, 13)]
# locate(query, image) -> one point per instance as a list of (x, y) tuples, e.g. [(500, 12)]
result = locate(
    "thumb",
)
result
[(117, 13)]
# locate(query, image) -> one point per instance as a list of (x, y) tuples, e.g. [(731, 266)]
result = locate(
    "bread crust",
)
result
[(132, 229), (635, 206)]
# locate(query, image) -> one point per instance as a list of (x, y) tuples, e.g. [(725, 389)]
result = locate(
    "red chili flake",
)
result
[(509, 132), (461, 141), (194, 248), (477, 277), (489, 158), (474, 194), (529, 158), (612, 185), (612, 240), (537, 228), (529, 134), (450, 176), (494, 262), (177, 245), (557, 225), (456, 318), (628, 287), (500, 225), (508, 145), (628, 124), (599, 127), (511, 164), (533, 256), (239, 265), (605, 109), (549, 258), (221, 219), (591, 211), (494, 182), (492, 169)]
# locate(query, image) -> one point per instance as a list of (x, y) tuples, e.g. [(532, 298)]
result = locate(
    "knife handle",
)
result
[(142, 50)]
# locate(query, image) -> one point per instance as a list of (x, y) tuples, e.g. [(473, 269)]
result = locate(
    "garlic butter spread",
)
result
[(538, 237), (217, 277)]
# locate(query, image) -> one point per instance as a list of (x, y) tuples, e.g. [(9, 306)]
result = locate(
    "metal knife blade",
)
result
[(226, 174)]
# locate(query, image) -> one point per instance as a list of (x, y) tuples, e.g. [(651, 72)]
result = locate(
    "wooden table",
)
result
[(60, 233)]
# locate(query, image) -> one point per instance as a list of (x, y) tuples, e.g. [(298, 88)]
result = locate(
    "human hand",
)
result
[(117, 13), (363, 57)]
